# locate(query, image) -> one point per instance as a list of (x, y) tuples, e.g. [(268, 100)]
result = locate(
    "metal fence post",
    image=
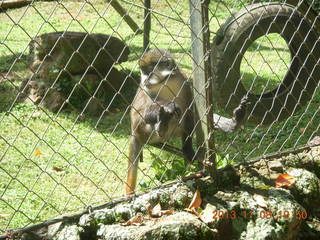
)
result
[(200, 48), (147, 25)]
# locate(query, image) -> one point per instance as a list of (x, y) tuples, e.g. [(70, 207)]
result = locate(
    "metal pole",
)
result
[(202, 81), (209, 89), (147, 25)]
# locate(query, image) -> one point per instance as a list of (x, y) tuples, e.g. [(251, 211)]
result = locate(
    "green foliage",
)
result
[(173, 168)]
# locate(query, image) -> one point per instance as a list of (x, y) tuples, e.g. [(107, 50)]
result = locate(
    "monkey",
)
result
[(162, 109)]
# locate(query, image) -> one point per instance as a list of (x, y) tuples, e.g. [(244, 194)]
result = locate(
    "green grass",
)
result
[(83, 160)]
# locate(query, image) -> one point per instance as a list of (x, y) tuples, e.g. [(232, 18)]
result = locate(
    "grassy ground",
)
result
[(54, 163)]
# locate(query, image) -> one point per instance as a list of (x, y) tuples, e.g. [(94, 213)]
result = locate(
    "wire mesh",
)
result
[(64, 109)]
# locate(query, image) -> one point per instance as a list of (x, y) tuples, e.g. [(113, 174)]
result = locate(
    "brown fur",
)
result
[(175, 89)]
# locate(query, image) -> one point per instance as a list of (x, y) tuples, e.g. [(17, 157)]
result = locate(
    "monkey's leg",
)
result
[(135, 149), (187, 137)]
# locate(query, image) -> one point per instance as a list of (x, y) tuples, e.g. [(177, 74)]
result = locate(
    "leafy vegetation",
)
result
[(52, 163)]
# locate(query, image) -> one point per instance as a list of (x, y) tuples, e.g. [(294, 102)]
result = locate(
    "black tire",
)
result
[(232, 41)]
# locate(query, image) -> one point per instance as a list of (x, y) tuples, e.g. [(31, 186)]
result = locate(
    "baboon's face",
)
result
[(156, 67)]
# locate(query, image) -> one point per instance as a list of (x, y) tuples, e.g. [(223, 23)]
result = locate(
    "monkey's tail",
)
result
[(231, 124)]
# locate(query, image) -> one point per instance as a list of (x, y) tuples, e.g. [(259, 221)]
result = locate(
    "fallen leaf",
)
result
[(167, 212), (135, 221), (196, 200), (37, 152), (57, 169), (264, 187), (193, 211), (284, 180), (4, 215), (157, 212), (301, 130)]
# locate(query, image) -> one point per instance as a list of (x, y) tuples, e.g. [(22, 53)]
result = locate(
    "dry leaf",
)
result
[(196, 200), (4, 215), (301, 130), (167, 212), (57, 169), (192, 210), (260, 200), (37, 152), (136, 221), (264, 187), (157, 212), (284, 180)]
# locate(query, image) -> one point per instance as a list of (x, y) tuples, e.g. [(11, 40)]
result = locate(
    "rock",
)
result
[(105, 216), (53, 100), (314, 142), (180, 225), (308, 159), (247, 211), (76, 52), (123, 212), (31, 90), (181, 197), (275, 165), (53, 229), (253, 216), (306, 188), (70, 232), (77, 67), (89, 91)]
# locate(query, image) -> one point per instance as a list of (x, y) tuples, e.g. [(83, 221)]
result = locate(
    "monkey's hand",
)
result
[(239, 113), (239, 116), (166, 112), (171, 108)]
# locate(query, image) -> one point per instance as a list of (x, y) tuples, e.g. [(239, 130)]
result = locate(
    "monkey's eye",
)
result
[(147, 69), (168, 64)]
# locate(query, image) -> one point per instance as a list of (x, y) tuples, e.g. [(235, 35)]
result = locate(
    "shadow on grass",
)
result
[(19, 60), (12, 71), (258, 84), (260, 47)]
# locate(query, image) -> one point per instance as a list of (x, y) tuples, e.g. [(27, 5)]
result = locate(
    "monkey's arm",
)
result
[(230, 125), (159, 114), (152, 113)]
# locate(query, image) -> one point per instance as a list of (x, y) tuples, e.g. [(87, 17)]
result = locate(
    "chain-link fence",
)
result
[(69, 71)]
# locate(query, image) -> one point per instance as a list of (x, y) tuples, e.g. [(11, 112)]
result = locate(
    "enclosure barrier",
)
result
[(69, 71)]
